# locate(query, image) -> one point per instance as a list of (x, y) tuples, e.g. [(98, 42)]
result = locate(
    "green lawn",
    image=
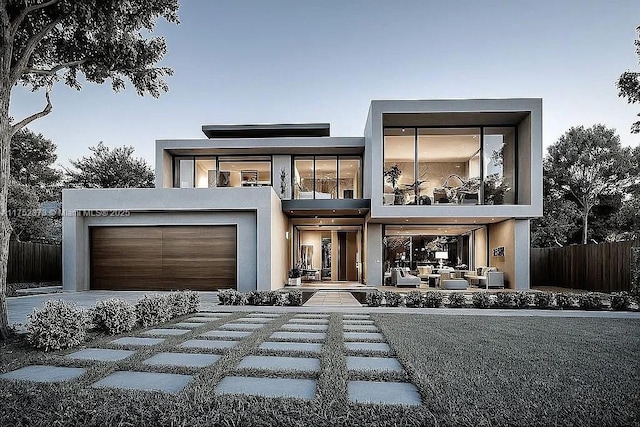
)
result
[(470, 371)]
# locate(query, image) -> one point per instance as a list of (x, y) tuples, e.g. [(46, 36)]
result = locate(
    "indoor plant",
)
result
[(295, 276)]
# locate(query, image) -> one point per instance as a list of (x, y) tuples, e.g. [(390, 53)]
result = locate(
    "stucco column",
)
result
[(374, 255), (521, 248)]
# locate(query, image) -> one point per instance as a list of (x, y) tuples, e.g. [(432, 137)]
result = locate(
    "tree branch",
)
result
[(54, 70), (21, 64), (46, 110), (28, 10)]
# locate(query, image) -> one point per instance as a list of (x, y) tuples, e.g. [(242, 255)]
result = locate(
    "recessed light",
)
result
[(334, 211)]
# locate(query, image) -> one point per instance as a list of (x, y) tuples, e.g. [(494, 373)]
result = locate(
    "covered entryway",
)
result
[(163, 257)]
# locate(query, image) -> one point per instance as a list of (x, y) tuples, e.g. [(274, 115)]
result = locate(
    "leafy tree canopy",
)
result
[(629, 85), (586, 164), (32, 158), (28, 221), (110, 168)]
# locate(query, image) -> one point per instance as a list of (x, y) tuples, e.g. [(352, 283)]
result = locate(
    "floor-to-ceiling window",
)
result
[(440, 165), (210, 171), (327, 177), (411, 246)]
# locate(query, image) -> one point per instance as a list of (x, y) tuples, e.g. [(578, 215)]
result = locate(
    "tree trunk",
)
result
[(5, 225), (585, 225)]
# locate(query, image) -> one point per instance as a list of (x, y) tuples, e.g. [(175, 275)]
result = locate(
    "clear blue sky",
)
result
[(295, 61)]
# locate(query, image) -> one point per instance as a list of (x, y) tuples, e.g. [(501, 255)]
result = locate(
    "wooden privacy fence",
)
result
[(34, 262), (605, 267)]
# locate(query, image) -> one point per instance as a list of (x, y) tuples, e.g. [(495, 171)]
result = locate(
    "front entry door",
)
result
[(347, 249)]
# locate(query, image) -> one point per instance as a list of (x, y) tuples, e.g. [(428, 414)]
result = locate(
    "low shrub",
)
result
[(505, 299), (374, 299), (543, 299), (620, 301), (433, 299), (590, 301), (392, 299), (413, 299), (183, 302), (114, 316), (295, 297), (231, 297), (457, 300), (481, 300), (57, 325), (565, 300), (523, 299), (153, 309)]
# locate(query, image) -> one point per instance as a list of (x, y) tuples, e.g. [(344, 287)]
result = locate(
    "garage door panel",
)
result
[(163, 258)]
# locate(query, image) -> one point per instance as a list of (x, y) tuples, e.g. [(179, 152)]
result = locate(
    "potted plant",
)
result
[(295, 277)]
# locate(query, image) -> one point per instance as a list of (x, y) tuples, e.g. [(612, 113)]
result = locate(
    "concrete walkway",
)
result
[(332, 299), (20, 307)]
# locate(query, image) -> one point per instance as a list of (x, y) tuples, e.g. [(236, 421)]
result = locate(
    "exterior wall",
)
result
[(503, 234), (373, 261), (521, 248), (256, 212), (279, 245), (525, 189)]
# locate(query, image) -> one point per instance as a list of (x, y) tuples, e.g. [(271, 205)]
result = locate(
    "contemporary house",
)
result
[(452, 182)]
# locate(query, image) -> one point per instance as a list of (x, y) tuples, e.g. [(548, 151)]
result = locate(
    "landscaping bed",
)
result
[(469, 370)]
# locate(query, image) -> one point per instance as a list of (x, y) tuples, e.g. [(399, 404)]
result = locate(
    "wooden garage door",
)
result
[(163, 258)]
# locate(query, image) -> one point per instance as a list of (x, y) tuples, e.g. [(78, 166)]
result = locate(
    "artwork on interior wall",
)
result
[(211, 178), (249, 178), (224, 179), (499, 251), (306, 257)]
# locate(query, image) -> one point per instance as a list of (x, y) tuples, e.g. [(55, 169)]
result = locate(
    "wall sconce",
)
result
[(286, 234)]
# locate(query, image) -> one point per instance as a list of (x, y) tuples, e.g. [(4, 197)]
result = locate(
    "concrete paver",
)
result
[(189, 360), (383, 392), (44, 374), (269, 387), (280, 363)]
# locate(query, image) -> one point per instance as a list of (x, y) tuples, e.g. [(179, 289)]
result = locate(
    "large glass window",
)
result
[(244, 171), (399, 166), (183, 176), (448, 165), (206, 172), (327, 177), (209, 172), (349, 182), (468, 166), (303, 178), (499, 166)]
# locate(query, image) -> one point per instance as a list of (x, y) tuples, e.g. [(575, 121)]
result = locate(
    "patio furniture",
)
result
[(494, 279), (454, 284), (480, 275), (400, 277)]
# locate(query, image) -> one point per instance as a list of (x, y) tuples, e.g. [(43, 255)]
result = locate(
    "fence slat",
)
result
[(34, 262), (605, 267)]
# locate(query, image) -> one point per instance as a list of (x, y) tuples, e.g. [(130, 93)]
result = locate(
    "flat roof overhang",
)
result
[(454, 119), (297, 130), (344, 208)]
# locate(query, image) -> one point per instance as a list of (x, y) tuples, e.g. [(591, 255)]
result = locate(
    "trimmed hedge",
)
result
[(374, 299), (565, 300), (620, 301), (413, 299), (260, 298), (590, 301), (457, 300)]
